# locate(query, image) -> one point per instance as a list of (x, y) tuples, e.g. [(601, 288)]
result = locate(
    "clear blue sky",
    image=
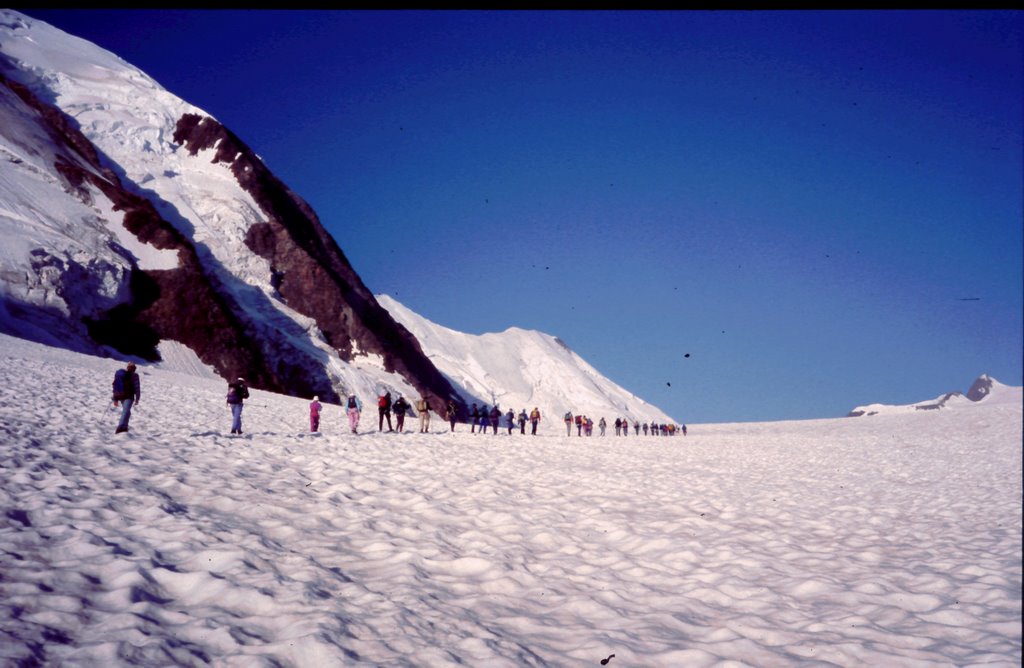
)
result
[(735, 215)]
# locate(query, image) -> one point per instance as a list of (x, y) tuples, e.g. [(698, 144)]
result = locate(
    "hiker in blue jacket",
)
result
[(495, 417), (237, 394), (127, 390), (483, 419)]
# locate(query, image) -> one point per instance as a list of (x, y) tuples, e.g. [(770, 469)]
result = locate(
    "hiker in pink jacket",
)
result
[(353, 408), (314, 415)]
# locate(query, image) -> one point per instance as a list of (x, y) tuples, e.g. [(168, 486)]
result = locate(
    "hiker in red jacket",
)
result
[(384, 411)]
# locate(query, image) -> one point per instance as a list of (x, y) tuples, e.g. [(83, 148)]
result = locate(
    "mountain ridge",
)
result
[(260, 289), (160, 231)]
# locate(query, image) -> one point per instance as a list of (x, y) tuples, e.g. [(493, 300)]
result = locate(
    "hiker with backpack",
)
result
[(495, 416), (401, 407), (568, 423), (423, 408), (522, 421), (483, 419), (534, 419), (474, 416), (384, 411), (126, 392), (353, 407), (237, 394), (314, 415), (511, 417), (602, 425)]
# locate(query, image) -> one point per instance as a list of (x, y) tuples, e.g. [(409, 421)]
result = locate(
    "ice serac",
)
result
[(180, 304)]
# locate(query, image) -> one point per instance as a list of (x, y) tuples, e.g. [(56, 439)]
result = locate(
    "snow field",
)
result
[(894, 540)]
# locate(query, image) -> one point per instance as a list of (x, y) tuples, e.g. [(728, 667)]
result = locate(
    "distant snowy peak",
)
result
[(985, 388), (522, 369)]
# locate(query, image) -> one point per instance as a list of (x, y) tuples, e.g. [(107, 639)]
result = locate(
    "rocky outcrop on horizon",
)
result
[(980, 390)]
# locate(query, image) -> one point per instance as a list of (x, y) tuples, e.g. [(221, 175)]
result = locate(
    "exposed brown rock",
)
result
[(194, 303), (310, 271), (182, 304)]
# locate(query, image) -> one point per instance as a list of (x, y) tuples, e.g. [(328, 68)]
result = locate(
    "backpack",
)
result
[(382, 402), (352, 401), (234, 396), (118, 385)]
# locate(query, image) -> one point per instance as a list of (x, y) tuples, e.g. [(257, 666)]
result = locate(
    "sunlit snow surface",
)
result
[(894, 541)]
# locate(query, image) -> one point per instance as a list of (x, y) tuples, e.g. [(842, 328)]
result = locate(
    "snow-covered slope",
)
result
[(130, 217), (84, 133), (985, 389), (522, 369), (891, 541), (132, 220)]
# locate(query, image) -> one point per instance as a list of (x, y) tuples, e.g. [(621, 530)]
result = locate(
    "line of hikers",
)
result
[(585, 426), (478, 417), (127, 392), (385, 406), (481, 417)]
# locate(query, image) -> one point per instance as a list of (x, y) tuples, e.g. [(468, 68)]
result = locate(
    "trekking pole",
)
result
[(107, 408)]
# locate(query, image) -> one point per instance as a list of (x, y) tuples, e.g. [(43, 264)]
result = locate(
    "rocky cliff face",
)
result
[(249, 279), (182, 304), (981, 388), (308, 269)]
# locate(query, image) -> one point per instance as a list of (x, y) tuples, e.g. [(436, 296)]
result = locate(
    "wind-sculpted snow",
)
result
[(894, 541)]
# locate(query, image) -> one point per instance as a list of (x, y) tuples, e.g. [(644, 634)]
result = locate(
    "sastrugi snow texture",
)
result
[(885, 541)]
